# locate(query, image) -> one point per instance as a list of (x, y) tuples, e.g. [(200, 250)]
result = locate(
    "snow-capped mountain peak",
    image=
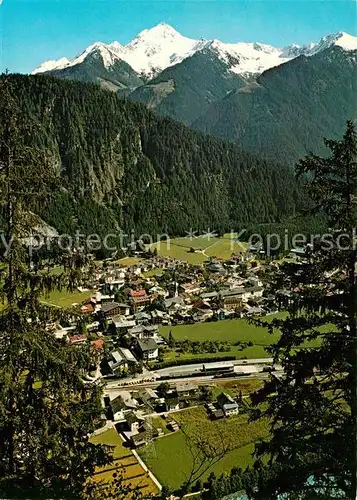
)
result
[(341, 39), (248, 58), (109, 53), (157, 34), (157, 48), (51, 65)]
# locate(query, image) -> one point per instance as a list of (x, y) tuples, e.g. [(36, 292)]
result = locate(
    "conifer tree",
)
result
[(312, 408), (171, 340), (47, 411)]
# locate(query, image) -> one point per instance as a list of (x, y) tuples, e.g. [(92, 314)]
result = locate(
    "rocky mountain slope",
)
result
[(289, 109)]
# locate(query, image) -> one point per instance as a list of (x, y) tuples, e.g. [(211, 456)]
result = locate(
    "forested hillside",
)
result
[(120, 166), (185, 91), (290, 108)]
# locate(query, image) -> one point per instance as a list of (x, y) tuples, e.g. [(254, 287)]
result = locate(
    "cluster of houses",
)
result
[(130, 303), (130, 411)]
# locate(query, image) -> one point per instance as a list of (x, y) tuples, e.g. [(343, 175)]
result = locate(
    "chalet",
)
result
[(136, 330), (124, 309), (119, 407), (252, 292), (133, 423), (201, 305), (150, 331), (139, 298), (190, 288), (172, 400), (148, 395), (144, 331), (148, 348), (123, 325), (254, 310), (202, 314), (231, 300), (174, 304), (111, 309), (186, 389), (142, 318), (227, 404), (224, 314), (115, 409), (160, 317), (254, 281), (217, 268), (120, 360), (78, 339)]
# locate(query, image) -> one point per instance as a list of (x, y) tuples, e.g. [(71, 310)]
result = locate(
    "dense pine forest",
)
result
[(121, 167)]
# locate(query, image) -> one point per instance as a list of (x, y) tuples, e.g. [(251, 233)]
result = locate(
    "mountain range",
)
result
[(277, 102), (160, 47)]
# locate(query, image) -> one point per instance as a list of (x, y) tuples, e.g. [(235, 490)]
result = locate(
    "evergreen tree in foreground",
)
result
[(46, 410), (312, 409)]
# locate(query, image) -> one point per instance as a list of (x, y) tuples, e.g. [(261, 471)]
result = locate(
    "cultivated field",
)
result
[(125, 463), (172, 460), (179, 248)]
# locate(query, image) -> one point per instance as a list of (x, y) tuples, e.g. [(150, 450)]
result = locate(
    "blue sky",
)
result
[(33, 31)]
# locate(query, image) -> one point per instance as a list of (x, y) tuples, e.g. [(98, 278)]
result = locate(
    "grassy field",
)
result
[(233, 387), (153, 272), (128, 261), (64, 298), (124, 463), (172, 460), (230, 330), (256, 351), (178, 248)]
